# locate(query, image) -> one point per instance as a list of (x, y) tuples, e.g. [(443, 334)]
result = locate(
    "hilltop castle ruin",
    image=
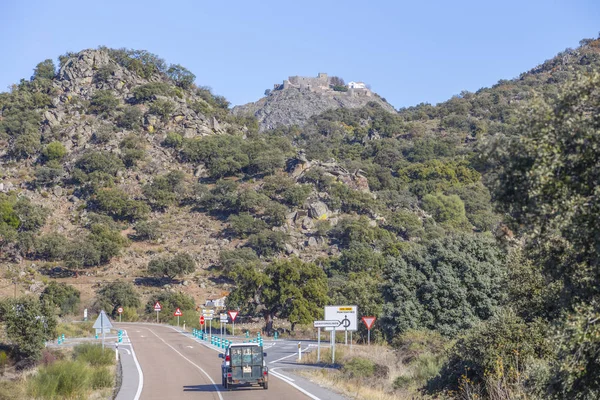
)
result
[(322, 84)]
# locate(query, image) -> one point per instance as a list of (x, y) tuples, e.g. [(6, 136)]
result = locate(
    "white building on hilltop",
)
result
[(357, 85)]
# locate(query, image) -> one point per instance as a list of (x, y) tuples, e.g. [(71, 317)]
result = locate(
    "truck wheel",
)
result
[(266, 385)]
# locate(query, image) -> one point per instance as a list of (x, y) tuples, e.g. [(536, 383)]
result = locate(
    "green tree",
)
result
[(449, 210), (181, 76), (546, 181), (28, 323), (44, 70), (448, 286), (63, 296), (170, 267), (288, 289), (116, 294)]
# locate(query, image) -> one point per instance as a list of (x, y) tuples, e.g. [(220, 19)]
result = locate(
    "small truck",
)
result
[(244, 365)]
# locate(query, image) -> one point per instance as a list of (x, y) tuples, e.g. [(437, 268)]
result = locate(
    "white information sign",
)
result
[(326, 324), (346, 315)]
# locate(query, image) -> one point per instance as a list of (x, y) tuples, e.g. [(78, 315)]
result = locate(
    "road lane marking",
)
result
[(291, 355), (287, 380), (191, 362), (280, 375), (138, 393)]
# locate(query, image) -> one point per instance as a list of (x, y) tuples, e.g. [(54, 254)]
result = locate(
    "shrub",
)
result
[(61, 295), (129, 315), (267, 243), (245, 224), (99, 161), (93, 354), (274, 213), (149, 91), (63, 379), (104, 73), (222, 154), (147, 230), (116, 203), (162, 107), (297, 194), (164, 190), (132, 150), (103, 102), (104, 134), (173, 139), (181, 263), (31, 216), (504, 347), (54, 151), (82, 253), (101, 378), (49, 174), (26, 146), (130, 118), (358, 368)]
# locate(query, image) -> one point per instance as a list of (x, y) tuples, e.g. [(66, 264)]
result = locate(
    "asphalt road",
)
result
[(176, 366)]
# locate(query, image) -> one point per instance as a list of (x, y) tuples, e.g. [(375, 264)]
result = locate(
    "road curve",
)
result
[(175, 366)]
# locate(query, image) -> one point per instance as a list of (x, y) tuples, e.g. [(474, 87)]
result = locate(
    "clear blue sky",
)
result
[(409, 52)]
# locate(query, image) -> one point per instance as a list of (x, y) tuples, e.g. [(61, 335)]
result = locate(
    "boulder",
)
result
[(319, 210)]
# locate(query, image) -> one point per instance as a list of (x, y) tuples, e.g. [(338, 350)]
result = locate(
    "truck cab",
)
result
[(244, 365)]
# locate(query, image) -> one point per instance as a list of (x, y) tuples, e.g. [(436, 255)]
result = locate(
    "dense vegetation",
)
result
[(470, 226)]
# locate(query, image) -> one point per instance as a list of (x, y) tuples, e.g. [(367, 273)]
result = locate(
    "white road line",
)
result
[(287, 380), (190, 361), (291, 355), (138, 393)]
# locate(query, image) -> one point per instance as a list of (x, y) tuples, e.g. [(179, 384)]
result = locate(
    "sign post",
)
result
[(103, 324), (233, 315), (223, 319), (85, 314), (319, 325), (368, 321), (157, 308), (178, 314), (120, 311)]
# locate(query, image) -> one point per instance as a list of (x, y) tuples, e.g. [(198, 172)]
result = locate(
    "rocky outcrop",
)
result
[(294, 106)]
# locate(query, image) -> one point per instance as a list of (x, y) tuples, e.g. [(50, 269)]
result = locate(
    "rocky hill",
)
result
[(299, 98), (116, 167)]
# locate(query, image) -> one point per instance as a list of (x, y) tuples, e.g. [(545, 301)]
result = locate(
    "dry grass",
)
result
[(382, 367)]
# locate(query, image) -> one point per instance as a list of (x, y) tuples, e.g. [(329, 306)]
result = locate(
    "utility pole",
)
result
[(15, 282)]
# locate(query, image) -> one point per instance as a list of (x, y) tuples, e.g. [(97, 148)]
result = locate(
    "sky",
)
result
[(408, 51)]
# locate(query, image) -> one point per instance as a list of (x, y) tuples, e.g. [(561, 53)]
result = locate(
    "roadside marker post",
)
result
[(368, 321), (233, 314), (157, 308)]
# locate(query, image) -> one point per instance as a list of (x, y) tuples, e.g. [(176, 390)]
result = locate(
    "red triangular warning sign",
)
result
[(178, 312), (232, 314), (368, 321)]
